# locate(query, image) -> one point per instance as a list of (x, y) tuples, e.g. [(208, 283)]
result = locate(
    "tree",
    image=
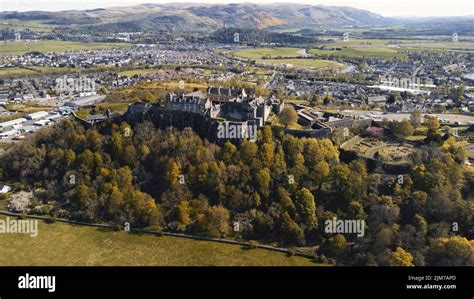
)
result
[(356, 211), (400, 257), (173, 174), (292, 234), (431, 122), (285, 200), (184, 217), (267, 154), (453, 251), (214, 222), (335, 246), (263, 180), (374, 132), (266, 135), (129, 156), (403, 128), (248, 151), (415, 119), (228, 151), (288, 116), (306, 207), (321, 172), (93, 140)]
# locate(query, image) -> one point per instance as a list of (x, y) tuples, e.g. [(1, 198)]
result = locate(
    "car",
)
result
[(19, 137)]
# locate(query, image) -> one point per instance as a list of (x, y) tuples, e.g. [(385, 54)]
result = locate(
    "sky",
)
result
[(389, 8)]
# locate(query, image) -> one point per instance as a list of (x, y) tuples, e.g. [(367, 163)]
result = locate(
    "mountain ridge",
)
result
[(197, 16)]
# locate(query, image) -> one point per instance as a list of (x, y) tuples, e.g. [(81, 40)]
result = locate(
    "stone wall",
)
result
[(319, 133)]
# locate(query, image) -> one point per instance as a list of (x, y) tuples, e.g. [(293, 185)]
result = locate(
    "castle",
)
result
[(208, 113)]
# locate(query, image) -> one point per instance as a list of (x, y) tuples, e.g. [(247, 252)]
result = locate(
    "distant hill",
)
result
[(194, 17)]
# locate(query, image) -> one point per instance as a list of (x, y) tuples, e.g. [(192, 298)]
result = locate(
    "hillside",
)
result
[(148, 17)]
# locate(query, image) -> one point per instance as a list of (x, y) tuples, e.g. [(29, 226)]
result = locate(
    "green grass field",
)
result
[(379, 52), (351, 48), (441, 45), (267, 53), (35, 71), (305, 63), (132, 73), (60, 244), (22, 47), (396, 48), (16, 71)]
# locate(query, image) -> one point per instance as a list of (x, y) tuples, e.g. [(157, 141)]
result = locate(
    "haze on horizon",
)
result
[(388, 8)]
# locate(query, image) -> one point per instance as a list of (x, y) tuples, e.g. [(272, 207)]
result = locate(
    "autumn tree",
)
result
[(452, 251), (306, 207), (415, 119), (400, 257), (291, 232), (214, 222), (288, 116)]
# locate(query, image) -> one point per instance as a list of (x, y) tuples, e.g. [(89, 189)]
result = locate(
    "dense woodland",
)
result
[(279, 190)]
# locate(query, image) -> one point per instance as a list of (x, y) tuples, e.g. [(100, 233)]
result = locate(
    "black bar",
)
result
[(243, 282)]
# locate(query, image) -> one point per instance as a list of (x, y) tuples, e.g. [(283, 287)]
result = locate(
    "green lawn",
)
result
[(22, 47), (259, 53), (35, 71), (359, 52), (381, 48), (395, 48), (442, 45), (16, 71), (304, 63), (132, 73), (61, 244)]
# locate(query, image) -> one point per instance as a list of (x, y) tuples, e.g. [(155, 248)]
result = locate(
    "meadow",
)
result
[(60, 244), (132, 73), (305, 63), (358, 48), (268, 53), (351, 48)]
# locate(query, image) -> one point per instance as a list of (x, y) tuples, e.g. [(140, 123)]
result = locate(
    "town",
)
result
[(245, 125)]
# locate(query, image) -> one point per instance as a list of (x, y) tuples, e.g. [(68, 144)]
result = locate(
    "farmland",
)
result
[(268, 53)]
